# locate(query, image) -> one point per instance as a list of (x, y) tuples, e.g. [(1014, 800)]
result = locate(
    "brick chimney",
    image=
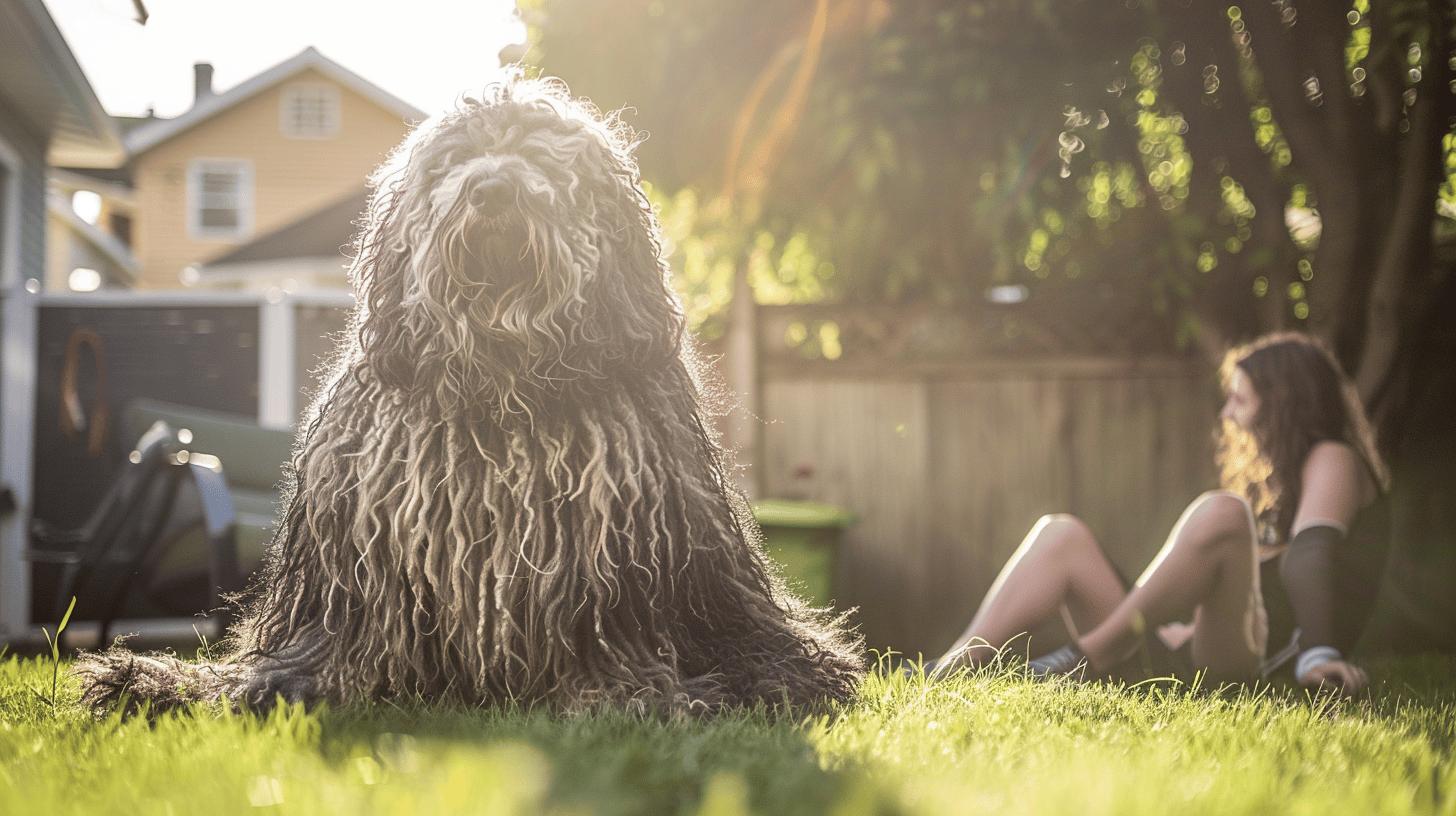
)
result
[(201, 81)]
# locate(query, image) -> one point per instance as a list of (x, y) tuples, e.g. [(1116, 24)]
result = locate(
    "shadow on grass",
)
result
[(612, 762)]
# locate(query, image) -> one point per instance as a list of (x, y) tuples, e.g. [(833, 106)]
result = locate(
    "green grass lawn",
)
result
[(981, 743)]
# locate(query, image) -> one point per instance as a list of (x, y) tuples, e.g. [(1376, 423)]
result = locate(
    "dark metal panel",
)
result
[(205, 357)]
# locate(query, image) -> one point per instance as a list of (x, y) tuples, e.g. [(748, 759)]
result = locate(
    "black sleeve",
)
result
[(1308, 572)]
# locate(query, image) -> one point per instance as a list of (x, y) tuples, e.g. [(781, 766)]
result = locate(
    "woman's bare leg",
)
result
[(1058, 564), (1208, 566)]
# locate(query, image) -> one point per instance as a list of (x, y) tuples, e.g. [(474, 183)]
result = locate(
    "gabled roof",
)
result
[(150, 135), (323, 233), (42, 82)]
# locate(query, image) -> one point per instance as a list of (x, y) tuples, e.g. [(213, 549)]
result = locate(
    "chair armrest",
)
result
[(52, 557), (48, 535)]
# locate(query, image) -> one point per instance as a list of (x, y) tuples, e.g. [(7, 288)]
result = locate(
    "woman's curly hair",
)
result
[(1304, 398)]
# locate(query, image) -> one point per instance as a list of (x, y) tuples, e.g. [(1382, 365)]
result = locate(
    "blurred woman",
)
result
[(1277, 570)]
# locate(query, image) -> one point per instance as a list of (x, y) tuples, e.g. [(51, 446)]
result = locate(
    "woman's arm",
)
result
[(1333, 490), (1333, 487)]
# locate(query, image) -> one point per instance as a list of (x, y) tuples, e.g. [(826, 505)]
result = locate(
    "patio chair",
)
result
[(254, 459), (137, 519)]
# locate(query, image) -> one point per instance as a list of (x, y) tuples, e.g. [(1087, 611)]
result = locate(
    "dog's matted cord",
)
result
[(508, 489)]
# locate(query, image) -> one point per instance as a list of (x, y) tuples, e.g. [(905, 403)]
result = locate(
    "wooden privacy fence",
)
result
[(948, 453), (947, 434)]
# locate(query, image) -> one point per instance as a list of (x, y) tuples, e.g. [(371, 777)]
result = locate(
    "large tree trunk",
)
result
[(1402, 278), (1374, 163), (1417, 609)]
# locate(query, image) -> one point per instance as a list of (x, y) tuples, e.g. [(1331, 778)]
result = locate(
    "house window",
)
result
[(310, 111), (120, 225), (220, 199), (84, 279), (86, 204)]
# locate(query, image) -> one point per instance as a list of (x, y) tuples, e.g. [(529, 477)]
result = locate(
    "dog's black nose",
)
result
[(492, 196)]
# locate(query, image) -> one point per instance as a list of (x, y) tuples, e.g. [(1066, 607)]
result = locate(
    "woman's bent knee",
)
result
[(1063, 522), (1218, 519), (1064, 528), (1223, 510)]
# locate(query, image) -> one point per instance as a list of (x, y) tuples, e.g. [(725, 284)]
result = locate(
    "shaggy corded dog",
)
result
[(507, 491)]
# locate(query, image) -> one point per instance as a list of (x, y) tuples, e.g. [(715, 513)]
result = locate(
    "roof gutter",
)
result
[(98, 143)]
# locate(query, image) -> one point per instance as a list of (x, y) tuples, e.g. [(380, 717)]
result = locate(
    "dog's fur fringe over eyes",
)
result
[(506, 491)]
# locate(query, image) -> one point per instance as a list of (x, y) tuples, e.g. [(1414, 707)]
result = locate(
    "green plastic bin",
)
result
[(803, 537)]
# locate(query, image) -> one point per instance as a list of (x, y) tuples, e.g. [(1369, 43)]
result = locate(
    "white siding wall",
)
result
[(17, 376)]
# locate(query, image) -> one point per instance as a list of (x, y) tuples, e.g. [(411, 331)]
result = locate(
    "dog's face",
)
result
[(516, 250)]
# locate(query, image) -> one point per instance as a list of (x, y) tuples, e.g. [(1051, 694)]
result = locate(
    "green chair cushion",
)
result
[(252, 456)]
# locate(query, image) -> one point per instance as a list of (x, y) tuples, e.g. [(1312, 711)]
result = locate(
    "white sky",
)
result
[(426, 52)]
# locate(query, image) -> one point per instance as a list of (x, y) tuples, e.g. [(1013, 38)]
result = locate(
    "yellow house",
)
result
[(292, 141)]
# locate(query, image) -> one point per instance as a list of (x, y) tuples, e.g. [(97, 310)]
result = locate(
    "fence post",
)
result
[(740, 363), (276, 337)]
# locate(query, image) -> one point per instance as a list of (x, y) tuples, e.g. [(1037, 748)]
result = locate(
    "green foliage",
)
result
[(946, 147), (924, 160), (706, 241), (984, 743)]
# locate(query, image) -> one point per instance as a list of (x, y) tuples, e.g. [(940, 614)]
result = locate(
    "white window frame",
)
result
[(195, 229), (333, 108)]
